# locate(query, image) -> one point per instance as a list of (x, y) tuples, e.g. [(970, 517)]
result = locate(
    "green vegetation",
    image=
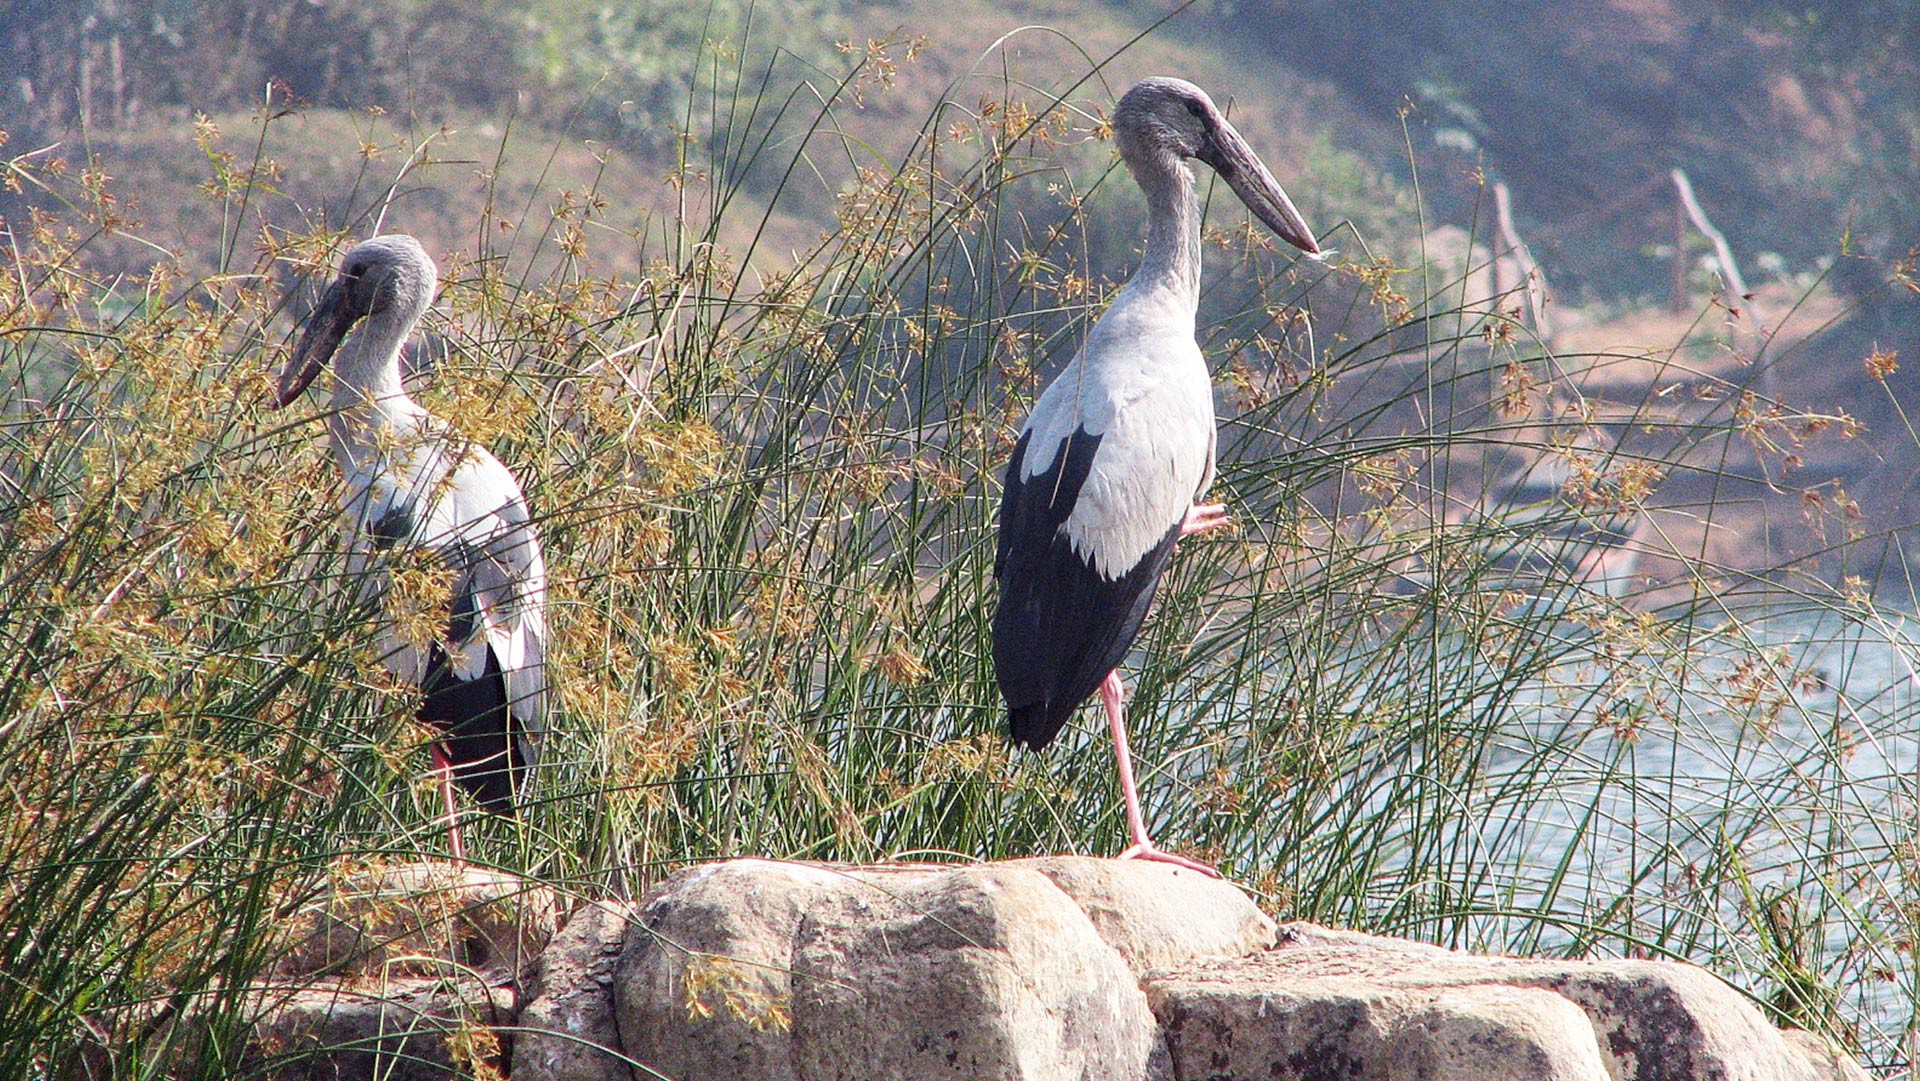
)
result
[(763, 457)]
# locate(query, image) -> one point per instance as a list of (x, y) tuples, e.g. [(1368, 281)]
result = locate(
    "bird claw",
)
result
[(1145, 851), (1202, 517)]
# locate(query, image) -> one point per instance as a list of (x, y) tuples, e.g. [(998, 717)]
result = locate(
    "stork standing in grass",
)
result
[(412, 484), (1110, 468)]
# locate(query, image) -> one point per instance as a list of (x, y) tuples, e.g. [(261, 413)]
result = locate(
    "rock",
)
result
[(1340, 1004), (977, 972), (1223, 1025), (400, 972), (1156, 915), (567, 1027), (760, 969), (409, 1028), (705, 985), (1068, 968), (1829, 1062), (419, 919)]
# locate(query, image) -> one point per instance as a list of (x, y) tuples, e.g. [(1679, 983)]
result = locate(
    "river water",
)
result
[(1787, 787)]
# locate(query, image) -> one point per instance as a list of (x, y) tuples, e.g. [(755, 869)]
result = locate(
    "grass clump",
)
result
[(1418, 692)]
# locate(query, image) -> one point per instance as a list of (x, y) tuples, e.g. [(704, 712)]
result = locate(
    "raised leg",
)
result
[(1142, 847), (443, 768), (1204, 516)]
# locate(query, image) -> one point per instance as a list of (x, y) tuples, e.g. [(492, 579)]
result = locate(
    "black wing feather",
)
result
[(479, 737), (482, 735), (1061, 625), (477, 729)]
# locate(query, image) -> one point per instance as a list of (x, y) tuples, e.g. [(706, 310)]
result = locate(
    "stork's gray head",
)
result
[(389, 277), (1162, 120)]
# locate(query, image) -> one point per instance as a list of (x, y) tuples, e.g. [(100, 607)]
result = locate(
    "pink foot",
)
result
[(1202, 517), (1148, 852), (1113, 696)]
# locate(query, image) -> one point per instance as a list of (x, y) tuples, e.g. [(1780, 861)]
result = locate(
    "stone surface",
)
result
[(1829, 1062), (409, 1028), (1337, 1004), (704, 986), (419, 919), (789, 971), (987, 972), (1157, 915), (401, 971), (1223, 1025), (567, 1027), (1069, 968)]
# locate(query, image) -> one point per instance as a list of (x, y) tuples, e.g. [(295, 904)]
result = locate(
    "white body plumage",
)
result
[(1141, 384), (430, 491)]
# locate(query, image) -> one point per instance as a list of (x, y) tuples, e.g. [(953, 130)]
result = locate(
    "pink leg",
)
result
[(1204, 516), (1142, 847), (443, 767)]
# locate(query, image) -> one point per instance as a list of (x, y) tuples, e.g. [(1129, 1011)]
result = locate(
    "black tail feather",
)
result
[(1036, 724)]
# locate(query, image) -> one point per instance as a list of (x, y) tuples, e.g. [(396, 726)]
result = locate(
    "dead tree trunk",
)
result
[(116, 63), (1512, 252), (1745, 325), (86, 86)]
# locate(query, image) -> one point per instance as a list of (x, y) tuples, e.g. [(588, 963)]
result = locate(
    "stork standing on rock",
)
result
[(1119, 449), (412, 484)]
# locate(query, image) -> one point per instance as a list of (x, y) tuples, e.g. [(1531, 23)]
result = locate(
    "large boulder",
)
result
[(401, 972), (1155, 915), (979, 972), (418, 919), (406, 1028), (758, 969), (567, 1028), (1338, 1004)]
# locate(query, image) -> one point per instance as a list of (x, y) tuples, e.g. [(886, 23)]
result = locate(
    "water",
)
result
[(1786, 785)]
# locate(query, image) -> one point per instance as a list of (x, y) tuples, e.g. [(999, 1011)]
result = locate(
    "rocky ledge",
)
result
[(1066, 968)]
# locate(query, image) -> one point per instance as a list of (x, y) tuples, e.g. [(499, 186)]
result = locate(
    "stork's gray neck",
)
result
[(368, 397), (1172, 260)]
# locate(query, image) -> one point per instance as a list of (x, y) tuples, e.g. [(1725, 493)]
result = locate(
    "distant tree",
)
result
[(1584, 105), (82, 62), (419, 55)]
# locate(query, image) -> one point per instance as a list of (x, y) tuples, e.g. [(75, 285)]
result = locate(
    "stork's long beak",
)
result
[(319, 338), (1243, 171)]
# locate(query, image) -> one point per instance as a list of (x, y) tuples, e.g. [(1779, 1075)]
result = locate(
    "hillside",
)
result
[(1798, 125)]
